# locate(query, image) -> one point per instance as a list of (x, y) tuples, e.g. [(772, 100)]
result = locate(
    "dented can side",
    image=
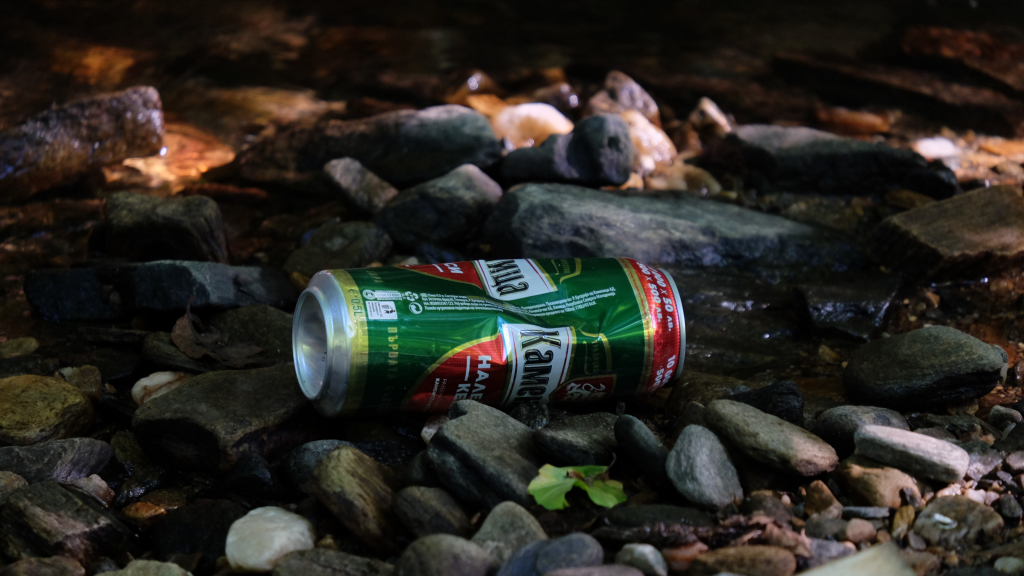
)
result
[(497, 331)]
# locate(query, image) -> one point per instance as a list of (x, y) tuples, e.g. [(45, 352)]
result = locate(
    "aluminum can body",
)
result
[(420, 337)]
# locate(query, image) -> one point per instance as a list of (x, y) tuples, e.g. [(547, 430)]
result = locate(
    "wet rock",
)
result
[(200, 528), (359, 186), (874, 484), (325, 562), (643, 557), (531, 221), (838, 425), (821, 501), (966, 236), (44, 519), (402, 147), (425, 511), (108, 292), (954, 521), (39, 408), (359, 492), (65, 143), (9, 482), (60, 460), (702, 388), (915, 453), (598, 152), (443, 555), (771, 440), (578, 440), (142, 228), (752, 560), (853, 309), (929, 366), (149, 568), (168, 285), (483, 455), (53, 566), (251, 476), (701, 470), (339, 245), (530, 124), (157, 384), (621, 93), (302, 461), (571, 551), (641, 446), (508, 528), (92, 486), (264, 326), (643, 514), (1008, 507), (257, 541), (448, 210), (216, 417), (825, 551), (781, 399), (799, 159)]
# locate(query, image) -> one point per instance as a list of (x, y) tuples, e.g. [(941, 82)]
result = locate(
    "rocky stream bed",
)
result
[(851, 400)]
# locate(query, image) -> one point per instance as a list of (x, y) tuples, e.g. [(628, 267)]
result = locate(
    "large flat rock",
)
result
[(558, 221), (966, 236), (214, 418)]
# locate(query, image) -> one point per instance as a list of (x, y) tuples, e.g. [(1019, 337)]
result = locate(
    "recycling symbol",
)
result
[(410, 296)]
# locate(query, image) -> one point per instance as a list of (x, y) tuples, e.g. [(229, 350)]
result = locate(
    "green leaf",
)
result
[(552, 484), (550, 487)]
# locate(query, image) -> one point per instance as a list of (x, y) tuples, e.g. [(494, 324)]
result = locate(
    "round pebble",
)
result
[(643, 557), (1010, 565), (258, 540)]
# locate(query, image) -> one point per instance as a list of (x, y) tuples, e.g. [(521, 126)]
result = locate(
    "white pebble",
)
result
[(157, 384), (1010, 565), (530, 124), (936, 148), (258, 540)]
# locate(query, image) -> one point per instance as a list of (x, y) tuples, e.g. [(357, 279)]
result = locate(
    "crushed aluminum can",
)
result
[(420, 337)]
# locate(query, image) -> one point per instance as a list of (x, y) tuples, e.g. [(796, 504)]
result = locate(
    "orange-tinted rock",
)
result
[(746, 560)]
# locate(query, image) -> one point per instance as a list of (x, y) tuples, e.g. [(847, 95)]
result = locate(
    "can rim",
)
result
[(320, 343), (682, 323)]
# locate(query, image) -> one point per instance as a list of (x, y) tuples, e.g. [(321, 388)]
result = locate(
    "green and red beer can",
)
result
[(421, 337)]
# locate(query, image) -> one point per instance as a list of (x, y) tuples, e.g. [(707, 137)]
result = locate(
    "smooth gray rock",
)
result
[(913, 453), (929, 366), (507, 528), (403, 147), (597, 152), (299, 465), (701, 470), (825, 551), (1008, 507), (838, 425), (448, 210), (483, 450), (1002, 416), (641, 446), (643, 557), (142, 228), (425, 511), (61, 460), (325, 562), (570, 551), (359, 186), (212, 419), (443, 555), (769, 439), (578, 440), (799, 159), (558, 221), (338, 245)]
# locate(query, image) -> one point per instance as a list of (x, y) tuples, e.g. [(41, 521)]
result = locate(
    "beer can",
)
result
[(420, 337)]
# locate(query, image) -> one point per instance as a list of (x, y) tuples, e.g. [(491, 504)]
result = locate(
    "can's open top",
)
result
[(320, 343)]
